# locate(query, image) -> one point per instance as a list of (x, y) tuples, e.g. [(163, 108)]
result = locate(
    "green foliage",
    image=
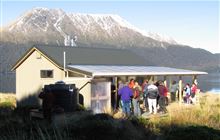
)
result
[(82, 126), (80, 107), (191, 123), (9, 105), (190, 133), (103, 126), (85, 126), (6, 108)]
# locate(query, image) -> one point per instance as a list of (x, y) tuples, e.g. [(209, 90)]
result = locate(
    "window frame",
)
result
[(45, 74)]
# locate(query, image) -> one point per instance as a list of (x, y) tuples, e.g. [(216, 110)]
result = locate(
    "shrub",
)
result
[(190, 133), (6, 108)]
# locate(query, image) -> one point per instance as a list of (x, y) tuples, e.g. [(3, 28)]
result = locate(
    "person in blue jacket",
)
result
[(126, 94)]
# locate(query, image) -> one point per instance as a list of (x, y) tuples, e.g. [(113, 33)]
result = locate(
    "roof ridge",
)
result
[(81, 47)]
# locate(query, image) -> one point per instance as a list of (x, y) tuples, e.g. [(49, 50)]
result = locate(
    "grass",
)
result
[(191, 122), (8, 97), (201, 121), (206, 113)]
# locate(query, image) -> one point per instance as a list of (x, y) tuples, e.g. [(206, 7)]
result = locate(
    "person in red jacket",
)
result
[(193, 90), (131, 84), (162, 97)]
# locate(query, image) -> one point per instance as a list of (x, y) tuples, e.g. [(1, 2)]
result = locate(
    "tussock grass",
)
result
[(79, 126), (7, 103), (205, 113), (191, 122), (200, 121), (8, 97)]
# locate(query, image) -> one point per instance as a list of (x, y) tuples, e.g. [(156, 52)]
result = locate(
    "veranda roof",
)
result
[(115, 70)]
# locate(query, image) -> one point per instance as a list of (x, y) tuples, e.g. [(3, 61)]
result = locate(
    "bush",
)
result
[(187, 122), (6, 108), (104, 126), (7, 105), (81, 126), (191, 133)]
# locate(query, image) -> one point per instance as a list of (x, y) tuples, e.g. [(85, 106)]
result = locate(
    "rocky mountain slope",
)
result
[(52, 26)]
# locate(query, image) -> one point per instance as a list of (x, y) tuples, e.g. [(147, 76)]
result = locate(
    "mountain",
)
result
[(51, 26), (54, 26)]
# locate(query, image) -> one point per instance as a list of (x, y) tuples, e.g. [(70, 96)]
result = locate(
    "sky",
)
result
[(194, 23)]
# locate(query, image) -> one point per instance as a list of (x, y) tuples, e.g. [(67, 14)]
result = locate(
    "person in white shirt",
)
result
[(152, 93)]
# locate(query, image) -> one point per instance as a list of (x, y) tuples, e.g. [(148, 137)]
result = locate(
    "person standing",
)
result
[(187, 96), (193, 90), (152, 93), (144, 91), (136, 99), (131, 83), (173, 89), (48, 102), (126, 94), (119, 101), (113, 94), (163, 95)]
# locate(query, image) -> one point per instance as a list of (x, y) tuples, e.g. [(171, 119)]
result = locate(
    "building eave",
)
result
[(28, 53)]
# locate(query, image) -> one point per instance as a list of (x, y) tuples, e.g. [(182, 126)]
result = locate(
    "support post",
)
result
[(116, 92), (126, 79), (180, 88), (165, 81), (194, 79), (64, 63), (152, 78), (170, 82), (67, 73), (155, 78)]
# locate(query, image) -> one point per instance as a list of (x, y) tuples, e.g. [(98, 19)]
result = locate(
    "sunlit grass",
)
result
[(205, 113), (8, 97)]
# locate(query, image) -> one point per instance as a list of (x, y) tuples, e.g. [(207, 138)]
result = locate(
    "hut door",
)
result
[(100, 96)]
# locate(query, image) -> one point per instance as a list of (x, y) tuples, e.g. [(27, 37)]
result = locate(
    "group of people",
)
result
[(153, 94), (130, 93), (190, 93)]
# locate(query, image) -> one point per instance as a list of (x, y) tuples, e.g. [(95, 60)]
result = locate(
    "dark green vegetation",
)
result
[(83, 125)]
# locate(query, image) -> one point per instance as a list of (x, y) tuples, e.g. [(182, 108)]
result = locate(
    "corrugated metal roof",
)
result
[(91, 56), (112, 70)]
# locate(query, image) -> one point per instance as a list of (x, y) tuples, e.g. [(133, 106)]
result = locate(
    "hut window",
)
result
[(46, 74)]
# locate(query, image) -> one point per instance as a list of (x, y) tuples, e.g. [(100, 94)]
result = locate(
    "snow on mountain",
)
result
[(36, 18), (53, 21), (105, 21), (161, 38), (26, 18), (58, 16), (108, 21)]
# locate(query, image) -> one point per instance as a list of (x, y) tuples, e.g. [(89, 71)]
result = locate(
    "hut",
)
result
[(92, 70)]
